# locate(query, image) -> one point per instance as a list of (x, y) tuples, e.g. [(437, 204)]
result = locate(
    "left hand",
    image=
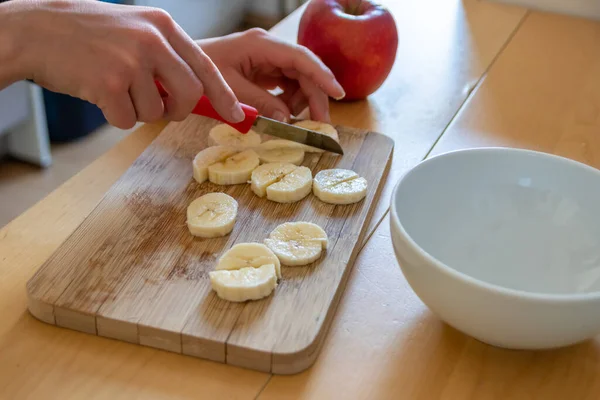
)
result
[(253, 62)]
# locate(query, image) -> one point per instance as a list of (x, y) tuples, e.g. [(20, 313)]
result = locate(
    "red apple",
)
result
[(356, 39)]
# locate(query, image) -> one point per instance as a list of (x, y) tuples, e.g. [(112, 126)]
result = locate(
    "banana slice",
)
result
[(292, 187), (226, 135), (317, 126), (279, 151), (339, 186), (268, 174), (234, 169), (212, 215), (207, 157), (297, 243), (244, 255), (244, 284)]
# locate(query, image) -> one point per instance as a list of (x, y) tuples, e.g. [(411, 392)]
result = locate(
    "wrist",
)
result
[(12, 54)]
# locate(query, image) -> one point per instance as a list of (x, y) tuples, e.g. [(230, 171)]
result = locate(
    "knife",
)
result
[(266, 126)]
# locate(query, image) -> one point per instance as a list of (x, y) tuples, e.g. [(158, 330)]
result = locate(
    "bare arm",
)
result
[(11, 63), (110, 55)]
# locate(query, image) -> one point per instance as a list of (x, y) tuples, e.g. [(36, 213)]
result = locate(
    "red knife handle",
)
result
[(205, 108)]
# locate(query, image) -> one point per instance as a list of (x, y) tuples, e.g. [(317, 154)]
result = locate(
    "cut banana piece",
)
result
[(234, 169), (244, 284), (244, 255), (226, 135), (278, 151), (292, 187), (320, 127), (268, 174), (212, 215), (339, 186), (297, 243), (207, 157)]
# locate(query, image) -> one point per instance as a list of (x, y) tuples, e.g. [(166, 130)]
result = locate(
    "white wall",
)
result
[(202, 18), (270, 8), (208, 18)]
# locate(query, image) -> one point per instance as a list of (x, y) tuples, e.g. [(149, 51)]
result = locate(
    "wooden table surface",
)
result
[(468, 73)]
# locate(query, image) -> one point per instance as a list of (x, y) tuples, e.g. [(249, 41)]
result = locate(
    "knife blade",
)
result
[(296, 134), (266, 126)]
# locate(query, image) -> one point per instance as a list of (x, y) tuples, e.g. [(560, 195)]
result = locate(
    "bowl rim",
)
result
[(456, 274)]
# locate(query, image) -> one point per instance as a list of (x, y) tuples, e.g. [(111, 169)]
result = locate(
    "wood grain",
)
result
[(133, 272), (39, 361), (542, 93), (386, 344), (444, 49)]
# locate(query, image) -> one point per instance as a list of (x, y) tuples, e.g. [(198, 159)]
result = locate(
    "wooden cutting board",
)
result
[(132, 271)]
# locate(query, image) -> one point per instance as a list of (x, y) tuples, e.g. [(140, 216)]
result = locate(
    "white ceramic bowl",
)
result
[(503, 244)]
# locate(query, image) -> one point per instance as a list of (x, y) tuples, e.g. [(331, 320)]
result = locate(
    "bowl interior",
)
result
[(514, 218)]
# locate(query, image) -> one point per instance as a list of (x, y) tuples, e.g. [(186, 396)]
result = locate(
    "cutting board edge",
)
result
[(290, 363), (279, 362)]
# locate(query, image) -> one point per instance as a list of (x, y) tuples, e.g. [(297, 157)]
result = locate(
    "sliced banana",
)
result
[(212, 215), (281, 144), (226, 135), (268, 174), (278, 151), (317, 126), (244, 255), (207, 157), (234, 169), (292, 187), (339, 186), (244, 284), (297, 243)]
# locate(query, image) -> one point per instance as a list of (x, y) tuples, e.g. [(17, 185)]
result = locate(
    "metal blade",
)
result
[(296, 134)]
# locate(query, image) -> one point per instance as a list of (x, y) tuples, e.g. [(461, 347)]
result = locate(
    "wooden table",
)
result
[(469, 73)]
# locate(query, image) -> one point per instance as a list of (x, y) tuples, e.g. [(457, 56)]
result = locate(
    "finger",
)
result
[(216, 89), (146, 99), (289, 87), (268, 82), (178, 79), (297, 102), (318, 101), (289, 56), (293, 97), (266, 104), (119, 111)]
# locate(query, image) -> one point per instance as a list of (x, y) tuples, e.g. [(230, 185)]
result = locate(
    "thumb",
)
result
[(267, 104)]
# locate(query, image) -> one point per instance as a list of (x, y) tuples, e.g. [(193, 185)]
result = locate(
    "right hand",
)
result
[(110, 55)]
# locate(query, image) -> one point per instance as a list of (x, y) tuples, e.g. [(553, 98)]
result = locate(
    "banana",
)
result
[(317, 126), (292, 187), (212, 215), (244, 255), (226, 135), (268, 174), (297, 243), (339, 186), (234, 169), (279, 151), (207, 157), (244, 284)]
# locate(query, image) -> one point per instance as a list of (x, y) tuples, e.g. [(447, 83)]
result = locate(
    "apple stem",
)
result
[(354, 9)]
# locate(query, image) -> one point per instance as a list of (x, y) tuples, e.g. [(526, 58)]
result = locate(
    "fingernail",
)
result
[(327, 117), (341, 90), (238, 114), (279, 116)]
